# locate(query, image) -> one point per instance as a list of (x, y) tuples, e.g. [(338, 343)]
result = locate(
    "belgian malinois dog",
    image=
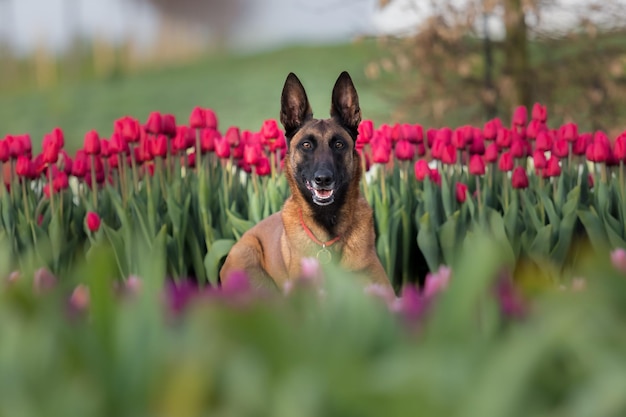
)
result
[(326, 216)]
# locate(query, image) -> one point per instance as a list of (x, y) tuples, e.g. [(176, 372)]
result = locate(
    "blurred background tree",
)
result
[(480, 58)]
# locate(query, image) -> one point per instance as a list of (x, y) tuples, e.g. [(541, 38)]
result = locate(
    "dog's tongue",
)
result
[(323, 193)]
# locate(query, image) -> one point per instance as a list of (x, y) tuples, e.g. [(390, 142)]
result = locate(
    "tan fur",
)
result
[(271, 251)]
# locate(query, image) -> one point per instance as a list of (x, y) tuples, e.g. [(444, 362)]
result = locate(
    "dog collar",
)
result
[(323, 255)]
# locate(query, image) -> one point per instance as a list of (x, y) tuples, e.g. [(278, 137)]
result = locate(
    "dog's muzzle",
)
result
[(322, 187)]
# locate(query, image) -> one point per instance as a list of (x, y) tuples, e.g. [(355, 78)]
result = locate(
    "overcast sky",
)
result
[(27, 23)]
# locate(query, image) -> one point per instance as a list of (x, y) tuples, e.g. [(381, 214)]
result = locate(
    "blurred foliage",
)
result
[(340, 355)]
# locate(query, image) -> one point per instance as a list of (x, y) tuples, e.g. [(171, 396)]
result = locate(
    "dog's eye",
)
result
[(339, 145), (306, 145)]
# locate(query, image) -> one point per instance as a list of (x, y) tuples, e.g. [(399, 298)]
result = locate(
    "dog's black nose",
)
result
[(323, 177)]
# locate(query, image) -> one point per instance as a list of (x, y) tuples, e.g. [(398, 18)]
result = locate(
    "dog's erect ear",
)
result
[(345, 103), (294, 105)]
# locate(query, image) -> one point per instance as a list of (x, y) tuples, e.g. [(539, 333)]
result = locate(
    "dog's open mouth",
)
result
[(321, 196)]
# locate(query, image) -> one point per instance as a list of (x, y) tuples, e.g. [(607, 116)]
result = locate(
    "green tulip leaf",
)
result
[(428, 242), (218, 250), (594, 228)]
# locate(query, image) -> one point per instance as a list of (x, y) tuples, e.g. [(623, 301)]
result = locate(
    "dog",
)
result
[(325, 217)]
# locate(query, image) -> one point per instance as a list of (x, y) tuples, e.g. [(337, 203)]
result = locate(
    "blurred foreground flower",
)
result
[(618, 259)]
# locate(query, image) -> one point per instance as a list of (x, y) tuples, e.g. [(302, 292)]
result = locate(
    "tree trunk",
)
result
[(517, 64)]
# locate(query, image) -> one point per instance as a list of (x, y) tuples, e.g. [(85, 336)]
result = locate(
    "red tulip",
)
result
[(128, 128), (117, 144), (520, 116), (168, 125), (414, 133), (553, 167), (366, 130), (4, 151), (448, 156), (404, 150), (60, 182), (461, 192), (263, 167), (16, 148), (476, 165), (581, 143), (222, 148), (569, 132), (598, 151), (50, 154), (435, 176), (93, 221), (506, 162), (504, 138), (460, 138), (381, 151), (444, 134), (519, 179), (251, 153), (491, 128), (397, 133), (197, 118), (210, 119), (543, 142), (233, 136), (422, 170), (539, 160), (105, 148), (159, 146), (534, 127), (270, 129), (560, 148), (58, 137), (619, 148), (491, 153), (539, 112), (518, 148), (477, 144), (79, 168), (92, 143), (23, 166), (154, 124), (421, 149), (279, 143), (431, 135)]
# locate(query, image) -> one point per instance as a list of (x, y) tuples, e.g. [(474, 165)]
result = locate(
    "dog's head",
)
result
[(322, 160)]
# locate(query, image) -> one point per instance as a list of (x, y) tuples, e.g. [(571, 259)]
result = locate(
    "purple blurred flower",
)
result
[(437, 281), (43, 281), (618, 259), (511, 301), (411, 305)]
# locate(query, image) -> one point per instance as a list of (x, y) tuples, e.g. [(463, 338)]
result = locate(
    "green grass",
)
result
[(243, 90)]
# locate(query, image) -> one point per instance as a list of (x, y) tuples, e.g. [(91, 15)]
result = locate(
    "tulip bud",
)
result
[(619, 149), (263, 167), (92, 143), (461, 192), (168, 125), (4, 151), (506, 162), (197, 118), (492, 153), (520, 116), (154, 124), (539, 112), (560, 148), (422, 170), (23, 166), (93, 221), (404, 150), (476, 165), (519, 179), (553, 167), (366, 130), (543, 142)]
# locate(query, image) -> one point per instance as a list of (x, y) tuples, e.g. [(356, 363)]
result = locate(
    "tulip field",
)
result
[(505, 243)]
